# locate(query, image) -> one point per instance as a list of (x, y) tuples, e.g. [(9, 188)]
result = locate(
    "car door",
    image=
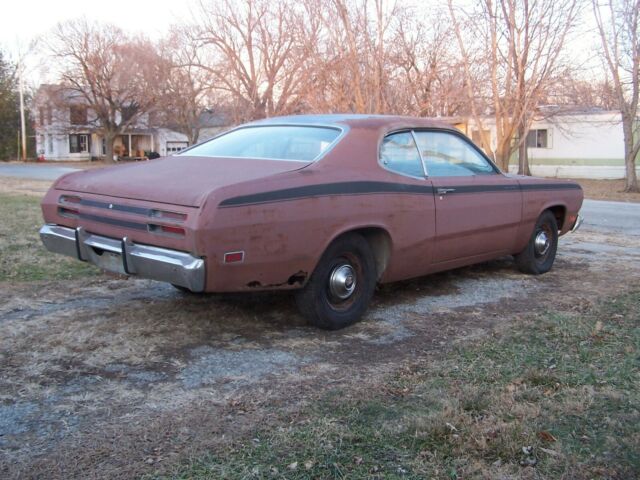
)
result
[(413, 211), (478, 209)]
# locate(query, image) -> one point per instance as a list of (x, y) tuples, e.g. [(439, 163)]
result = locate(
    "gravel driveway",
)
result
[(112, 378)]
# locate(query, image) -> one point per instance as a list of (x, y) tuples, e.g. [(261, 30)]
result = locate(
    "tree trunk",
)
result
[(632, 179), (523, 153), (631, 184), (109, 137), (502, 158), (194, 134)]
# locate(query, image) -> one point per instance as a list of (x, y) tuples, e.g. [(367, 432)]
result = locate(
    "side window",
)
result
[(447, 155), (400, 154)]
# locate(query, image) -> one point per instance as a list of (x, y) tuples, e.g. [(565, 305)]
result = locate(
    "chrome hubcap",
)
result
[(342, 281), (541, 243)]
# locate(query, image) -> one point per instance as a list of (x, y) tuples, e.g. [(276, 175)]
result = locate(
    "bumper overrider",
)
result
[(120, 255), (577, 223)]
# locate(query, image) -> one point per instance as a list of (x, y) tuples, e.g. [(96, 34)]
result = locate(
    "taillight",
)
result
[(167, 229), (174, 230), (68, 212), (70, 199), (168, 215)]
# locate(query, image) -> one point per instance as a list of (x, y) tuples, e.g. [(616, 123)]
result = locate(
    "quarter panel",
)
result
[(541, 194), (284, 240)]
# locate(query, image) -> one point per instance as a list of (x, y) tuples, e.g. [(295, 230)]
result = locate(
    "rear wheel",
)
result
[(540, 252), (340, 289)]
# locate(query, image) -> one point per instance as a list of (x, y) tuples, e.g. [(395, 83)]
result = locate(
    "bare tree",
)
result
[(429, 80), (352, 64), (255, 50), (575, 90), (620, 39), (520, 43), (112, 74), (185, 87)]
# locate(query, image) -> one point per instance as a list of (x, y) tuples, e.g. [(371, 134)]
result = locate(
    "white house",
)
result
[(574, 144), (66, 130)]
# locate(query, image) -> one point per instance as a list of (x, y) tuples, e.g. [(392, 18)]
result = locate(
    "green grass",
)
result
[(23, 258), (565, 384)]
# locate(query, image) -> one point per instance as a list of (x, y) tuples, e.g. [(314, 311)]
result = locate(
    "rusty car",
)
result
[(327, 205)]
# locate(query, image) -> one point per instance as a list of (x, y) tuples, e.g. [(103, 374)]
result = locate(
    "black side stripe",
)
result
[(511, 188), (327, 189), (550, 186), (362, 188), (481, 188)]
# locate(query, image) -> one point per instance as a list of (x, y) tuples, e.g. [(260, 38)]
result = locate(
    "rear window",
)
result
[(296, 143)]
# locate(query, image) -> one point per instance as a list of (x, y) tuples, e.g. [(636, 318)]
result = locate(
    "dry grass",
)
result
[(607, 190), (553, 397), (81, 165), (22, 256), (21, 186)]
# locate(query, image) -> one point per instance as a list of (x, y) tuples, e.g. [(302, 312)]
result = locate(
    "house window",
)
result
[(49, 115), (477, 138), (175, 147), (78, 143), (78, 114), (538, 138), (50, 144), (41, 116)]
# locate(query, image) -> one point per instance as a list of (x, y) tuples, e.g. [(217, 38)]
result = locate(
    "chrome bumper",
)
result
[(125, 257), (577, 223)]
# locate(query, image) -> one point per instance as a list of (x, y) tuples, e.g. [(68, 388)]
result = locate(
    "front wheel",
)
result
[(540, 252), (340, 289)]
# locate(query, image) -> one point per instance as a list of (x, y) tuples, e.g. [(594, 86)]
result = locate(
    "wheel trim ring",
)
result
[(343, 281), (542, 241), (341, 305)]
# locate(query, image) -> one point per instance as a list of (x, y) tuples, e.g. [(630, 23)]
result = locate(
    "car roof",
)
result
[(356, 120)]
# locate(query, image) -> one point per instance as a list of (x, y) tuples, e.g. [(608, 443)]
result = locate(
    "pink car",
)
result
[(328, 205)]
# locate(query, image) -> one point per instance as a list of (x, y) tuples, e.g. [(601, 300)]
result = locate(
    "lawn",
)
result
[(556, 395), (23, 258)]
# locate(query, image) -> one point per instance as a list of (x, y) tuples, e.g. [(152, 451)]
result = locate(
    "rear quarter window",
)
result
[(399, 154)]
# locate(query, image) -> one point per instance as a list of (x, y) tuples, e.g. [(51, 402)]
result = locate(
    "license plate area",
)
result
[(106, 260)]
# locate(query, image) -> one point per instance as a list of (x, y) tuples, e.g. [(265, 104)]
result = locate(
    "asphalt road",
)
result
[(599, 215), (34, 172), (619, 217)]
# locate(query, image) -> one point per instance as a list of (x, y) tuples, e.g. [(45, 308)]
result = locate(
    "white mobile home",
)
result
[(585, 144)]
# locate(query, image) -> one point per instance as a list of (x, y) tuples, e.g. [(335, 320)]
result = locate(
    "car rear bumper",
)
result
[(120, 255)]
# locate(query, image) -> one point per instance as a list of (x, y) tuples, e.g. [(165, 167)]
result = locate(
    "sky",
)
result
[(23, 20)]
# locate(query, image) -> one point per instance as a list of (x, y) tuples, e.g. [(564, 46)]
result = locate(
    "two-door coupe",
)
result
[(329, 205)]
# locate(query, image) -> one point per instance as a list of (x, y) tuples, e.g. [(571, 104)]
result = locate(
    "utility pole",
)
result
[(22, 121)]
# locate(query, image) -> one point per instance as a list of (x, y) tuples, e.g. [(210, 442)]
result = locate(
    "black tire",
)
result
[(340, 289), (540, 252), (182, 289)]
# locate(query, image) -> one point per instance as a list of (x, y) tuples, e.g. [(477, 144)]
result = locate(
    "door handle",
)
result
[(443, 191)]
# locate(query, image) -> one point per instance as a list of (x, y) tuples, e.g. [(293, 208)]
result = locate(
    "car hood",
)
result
[(177, 180)]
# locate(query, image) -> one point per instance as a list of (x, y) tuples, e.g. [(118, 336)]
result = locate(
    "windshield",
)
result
[(296, 143)]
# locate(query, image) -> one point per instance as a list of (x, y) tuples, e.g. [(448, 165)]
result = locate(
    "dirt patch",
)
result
[(607, 190), (112, 378)]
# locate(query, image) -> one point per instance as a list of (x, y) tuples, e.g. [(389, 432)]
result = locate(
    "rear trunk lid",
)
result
[(177, 180)]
